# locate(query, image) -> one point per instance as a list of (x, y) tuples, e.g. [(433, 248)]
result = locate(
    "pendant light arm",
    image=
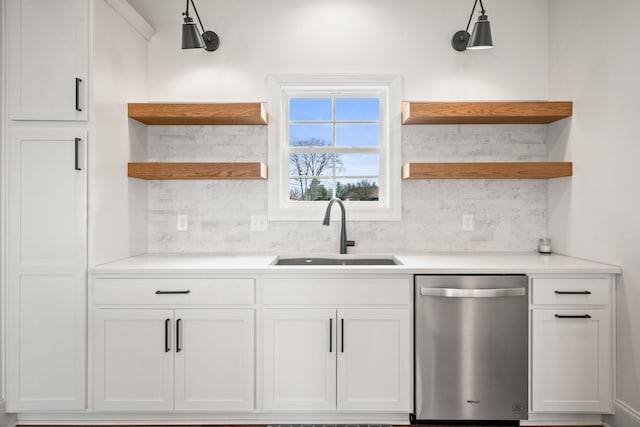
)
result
[(482, 11), (473, 10), (198, 15), (186, 11)]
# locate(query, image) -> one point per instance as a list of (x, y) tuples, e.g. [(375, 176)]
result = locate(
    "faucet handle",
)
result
[(351, 242)]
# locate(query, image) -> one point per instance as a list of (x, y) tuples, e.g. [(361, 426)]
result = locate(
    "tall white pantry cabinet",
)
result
[(66, 142), (47, 77)]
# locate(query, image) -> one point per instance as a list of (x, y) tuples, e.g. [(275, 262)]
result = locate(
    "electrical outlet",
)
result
[(258, 223), (467, 222), (183, 223)]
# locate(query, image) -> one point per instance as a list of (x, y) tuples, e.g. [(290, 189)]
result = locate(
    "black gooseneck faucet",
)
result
[(343, 229)]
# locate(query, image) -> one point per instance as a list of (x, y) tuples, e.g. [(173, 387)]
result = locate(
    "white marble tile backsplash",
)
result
[(509, 215)]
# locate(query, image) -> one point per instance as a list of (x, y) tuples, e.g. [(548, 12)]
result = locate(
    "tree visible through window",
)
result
[(334, 148)]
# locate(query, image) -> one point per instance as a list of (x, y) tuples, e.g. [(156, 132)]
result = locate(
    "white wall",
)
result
[(118, 205), (595, 214), (408, 36)]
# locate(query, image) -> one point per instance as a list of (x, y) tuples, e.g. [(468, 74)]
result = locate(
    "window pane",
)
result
[(357, 135), (355, 164), (310, 135), (357, 189), (310, 164), (310, 189), (309, 109), (357, 109)]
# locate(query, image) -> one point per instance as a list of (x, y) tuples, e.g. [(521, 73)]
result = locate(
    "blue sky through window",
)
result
[(305, 111), (359, 109)]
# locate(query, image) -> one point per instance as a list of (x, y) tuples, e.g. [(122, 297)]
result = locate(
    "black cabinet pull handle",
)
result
[(178, 323), (173, 292), (78, 81), (342, 336), (77, 154), (331, 335), (167, 349), (573, 292), (573, 316)]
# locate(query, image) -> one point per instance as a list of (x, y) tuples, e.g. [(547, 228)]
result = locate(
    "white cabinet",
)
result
[(214, 360), (165, 355), (299, 359), (323, 359), (47, 70), (48, 59), (374, 354), (571, 345), (47, 192), (160, 360), (344, 359), (133, 370)]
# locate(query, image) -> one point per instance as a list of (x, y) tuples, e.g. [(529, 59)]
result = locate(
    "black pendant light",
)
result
[(481, 36), (191, 38), (190, 35)]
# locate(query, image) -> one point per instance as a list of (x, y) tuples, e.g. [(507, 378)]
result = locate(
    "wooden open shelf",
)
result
[(517, 112), (248, 171), (250, 113), (507, 170)]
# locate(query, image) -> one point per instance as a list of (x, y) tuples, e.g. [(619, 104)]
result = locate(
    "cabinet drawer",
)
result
[(572, 291), (337, 291), (180, 291)]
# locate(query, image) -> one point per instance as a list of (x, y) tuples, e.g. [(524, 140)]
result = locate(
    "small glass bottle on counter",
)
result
[(544, 246)]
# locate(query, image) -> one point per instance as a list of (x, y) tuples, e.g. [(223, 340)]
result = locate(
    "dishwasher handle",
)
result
[(472, 293)]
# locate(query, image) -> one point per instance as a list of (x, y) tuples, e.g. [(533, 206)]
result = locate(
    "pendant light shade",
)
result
[(480, 38), (481, 35), (190, 35)]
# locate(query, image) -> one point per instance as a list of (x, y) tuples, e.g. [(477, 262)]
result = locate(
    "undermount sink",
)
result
[(335, 261)]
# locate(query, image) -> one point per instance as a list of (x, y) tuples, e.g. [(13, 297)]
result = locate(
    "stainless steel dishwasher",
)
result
[(471, 348)]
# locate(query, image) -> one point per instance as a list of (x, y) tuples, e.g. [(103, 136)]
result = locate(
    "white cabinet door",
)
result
[(571, 360), (374, 360), (48, 53), (214, 359), (46, 246), (299, 359), (133, 359)]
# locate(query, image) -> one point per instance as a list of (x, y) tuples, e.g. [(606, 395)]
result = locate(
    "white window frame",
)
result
[(388, 87)]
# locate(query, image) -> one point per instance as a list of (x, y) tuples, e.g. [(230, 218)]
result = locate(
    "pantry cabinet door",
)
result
[(46, 270), (214, 360), (48, 59), (133, 359), (374, 360), (299, 359)]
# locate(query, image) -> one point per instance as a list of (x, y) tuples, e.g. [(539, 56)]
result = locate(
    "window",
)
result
[(334, 146), (333, 139)]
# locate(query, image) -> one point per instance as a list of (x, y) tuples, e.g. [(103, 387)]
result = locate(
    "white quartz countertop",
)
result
[(414, 263)]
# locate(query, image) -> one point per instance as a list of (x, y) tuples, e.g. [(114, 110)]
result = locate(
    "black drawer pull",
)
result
[(173, 292), (342, 336), (178, 324), (167, 349), (77, 153), (573, 292), (331, 335), (573, 316), (78, 81)]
